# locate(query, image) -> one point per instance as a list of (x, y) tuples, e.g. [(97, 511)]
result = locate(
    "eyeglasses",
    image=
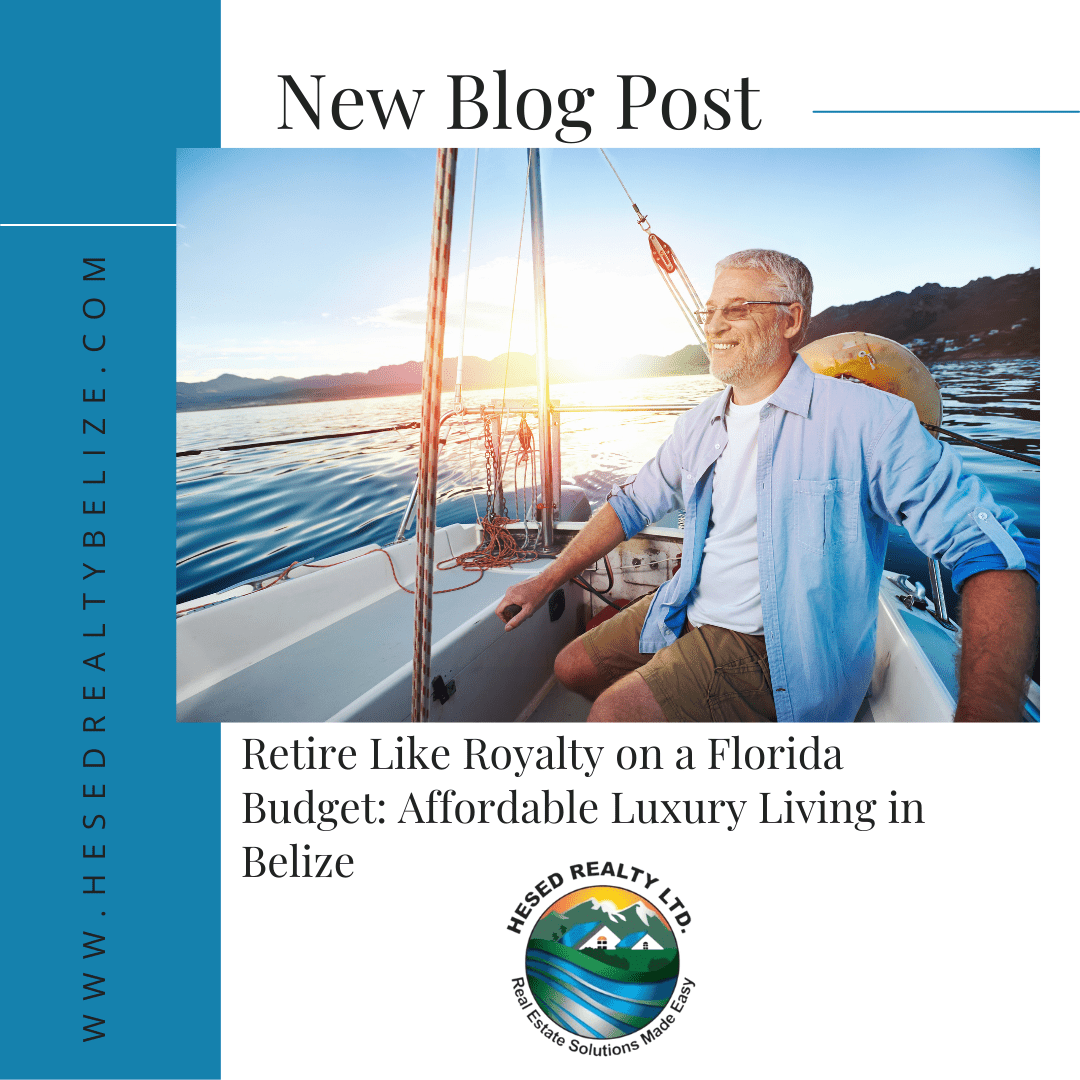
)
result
[(738, 310)]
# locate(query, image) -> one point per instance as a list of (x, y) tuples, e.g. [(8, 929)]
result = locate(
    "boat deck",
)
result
[(302, 651), (319, 675)]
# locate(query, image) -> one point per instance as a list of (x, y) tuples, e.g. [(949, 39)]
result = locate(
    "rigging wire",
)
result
[(465, 296), (667, 264), (642, 219), (306, 438), (957, 437), (513, 300)]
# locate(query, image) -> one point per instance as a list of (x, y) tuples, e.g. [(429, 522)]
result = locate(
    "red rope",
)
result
[(498, 548), (437, 592)]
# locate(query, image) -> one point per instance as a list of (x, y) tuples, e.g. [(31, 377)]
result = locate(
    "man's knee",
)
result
[(576, 671), (606, 707), (630, 699)]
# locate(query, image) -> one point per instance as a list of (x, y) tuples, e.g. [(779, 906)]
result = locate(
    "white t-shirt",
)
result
[(728, 592)]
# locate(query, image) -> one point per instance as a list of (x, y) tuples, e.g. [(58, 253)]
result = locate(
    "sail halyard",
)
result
[(442, 215)]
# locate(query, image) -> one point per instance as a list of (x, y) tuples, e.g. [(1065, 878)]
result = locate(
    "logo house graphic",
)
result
[(602, 962)]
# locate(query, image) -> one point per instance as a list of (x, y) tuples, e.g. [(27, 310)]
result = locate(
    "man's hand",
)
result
[(601, 534), (1000, 617), (527, 597)]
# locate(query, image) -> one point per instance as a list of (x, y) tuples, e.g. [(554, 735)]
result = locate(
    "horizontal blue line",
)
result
[(946, 110)]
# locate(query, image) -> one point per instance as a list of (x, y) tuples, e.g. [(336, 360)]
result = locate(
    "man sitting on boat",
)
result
[(789, 481)]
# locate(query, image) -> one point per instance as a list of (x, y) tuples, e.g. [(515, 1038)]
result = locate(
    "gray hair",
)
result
[(788, 273)]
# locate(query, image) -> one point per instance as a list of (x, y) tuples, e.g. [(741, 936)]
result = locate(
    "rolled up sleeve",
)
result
[(989, 557)]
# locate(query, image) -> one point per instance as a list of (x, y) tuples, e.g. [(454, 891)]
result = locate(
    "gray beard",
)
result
[(751, 367)]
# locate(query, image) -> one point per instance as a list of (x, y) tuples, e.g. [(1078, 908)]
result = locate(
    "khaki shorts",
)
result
[(709, 674)]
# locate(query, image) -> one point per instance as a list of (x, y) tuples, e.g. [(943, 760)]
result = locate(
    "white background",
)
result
[(939, 950), (818, 950)]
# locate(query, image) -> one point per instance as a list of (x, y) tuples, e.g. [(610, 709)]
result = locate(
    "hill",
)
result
[(237, 392), (987, 318)]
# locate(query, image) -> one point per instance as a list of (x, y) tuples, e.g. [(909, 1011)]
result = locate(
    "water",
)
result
[(996, 402), (246, 513), (586, 1003)]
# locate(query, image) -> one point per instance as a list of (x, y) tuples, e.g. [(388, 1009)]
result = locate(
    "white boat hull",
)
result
[(333, 643)]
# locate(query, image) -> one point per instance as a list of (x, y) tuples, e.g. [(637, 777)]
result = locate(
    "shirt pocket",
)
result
[(826, 513)]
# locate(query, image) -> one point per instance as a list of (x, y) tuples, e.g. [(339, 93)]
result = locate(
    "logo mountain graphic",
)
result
[(637, 918)]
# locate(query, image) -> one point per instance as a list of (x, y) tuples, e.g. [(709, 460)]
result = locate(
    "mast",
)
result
[(547, 497)]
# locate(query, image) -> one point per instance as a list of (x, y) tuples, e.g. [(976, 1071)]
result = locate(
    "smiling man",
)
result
[(789, 481)]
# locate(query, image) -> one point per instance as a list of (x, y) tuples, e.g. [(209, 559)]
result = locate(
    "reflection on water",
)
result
[(247, 512)]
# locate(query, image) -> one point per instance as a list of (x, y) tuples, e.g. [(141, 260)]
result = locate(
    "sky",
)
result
[(308, 262)]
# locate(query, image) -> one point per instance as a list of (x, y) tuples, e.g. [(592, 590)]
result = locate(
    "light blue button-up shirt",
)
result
[(837, 462)]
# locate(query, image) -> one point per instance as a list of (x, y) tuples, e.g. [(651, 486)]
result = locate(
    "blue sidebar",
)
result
[(112, 876)]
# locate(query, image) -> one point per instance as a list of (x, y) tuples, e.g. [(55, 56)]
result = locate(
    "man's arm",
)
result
[(919, 483), (602, 533), (1000, 617)]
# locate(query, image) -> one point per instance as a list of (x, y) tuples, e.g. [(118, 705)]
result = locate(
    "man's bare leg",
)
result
[(628, 700), (576, 671)]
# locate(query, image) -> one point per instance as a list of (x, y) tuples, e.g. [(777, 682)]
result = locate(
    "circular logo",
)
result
[(602, 962)]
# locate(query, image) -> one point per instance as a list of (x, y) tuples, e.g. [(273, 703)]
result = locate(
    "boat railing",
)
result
[(513, 408)]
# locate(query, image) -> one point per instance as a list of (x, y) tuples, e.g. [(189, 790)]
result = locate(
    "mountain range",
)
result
[(629, 920), (987, 318)]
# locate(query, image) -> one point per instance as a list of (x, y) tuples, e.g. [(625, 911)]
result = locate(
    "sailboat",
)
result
[(346, 640)]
